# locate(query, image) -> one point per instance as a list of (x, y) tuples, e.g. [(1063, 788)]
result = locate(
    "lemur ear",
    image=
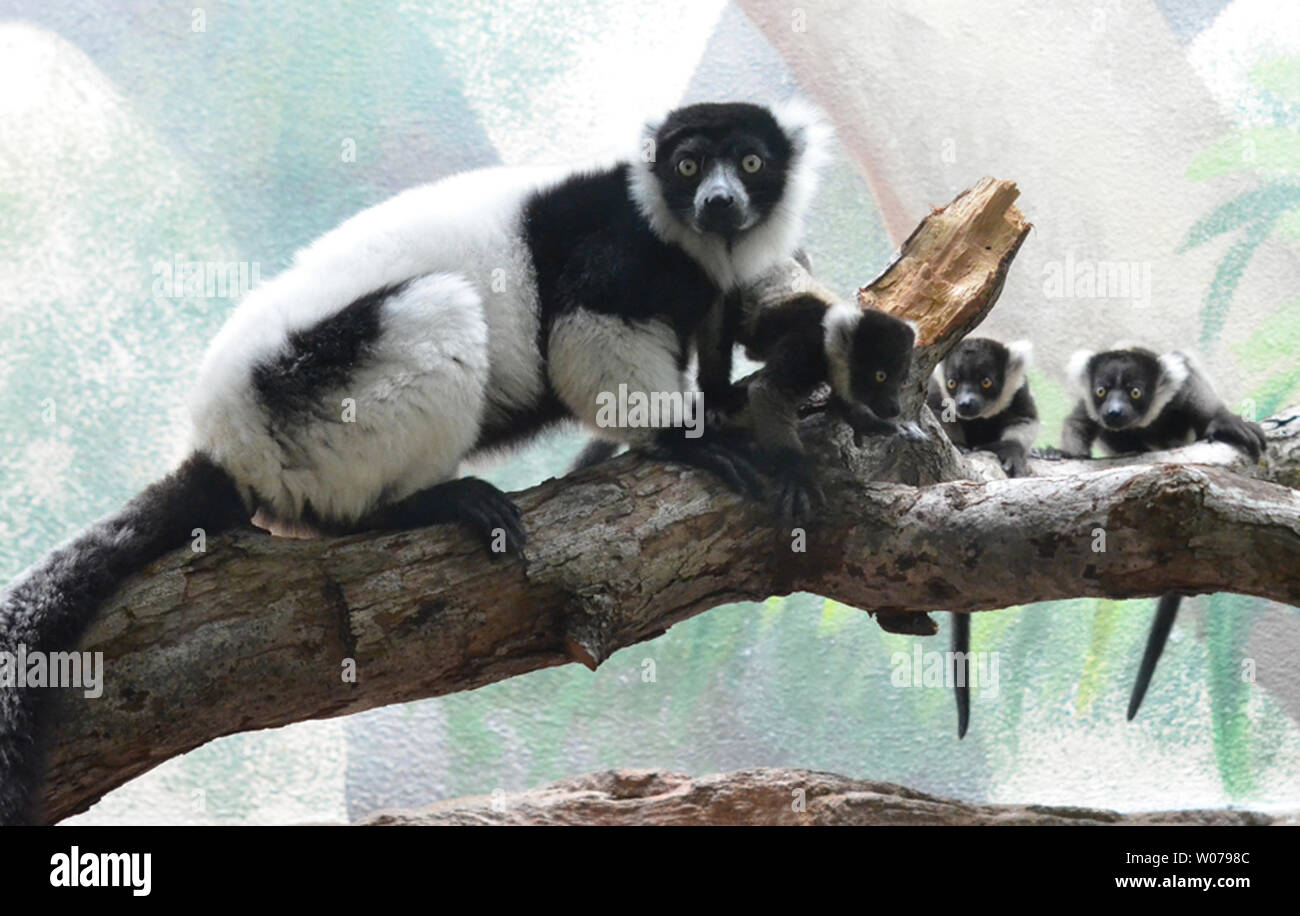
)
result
[(1076, 370), (1020, 355)]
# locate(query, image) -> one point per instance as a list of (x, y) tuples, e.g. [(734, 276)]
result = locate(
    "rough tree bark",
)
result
[(256, 631), (768, 797)]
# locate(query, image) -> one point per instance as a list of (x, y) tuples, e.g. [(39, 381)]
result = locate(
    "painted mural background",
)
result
[(1154, 142)]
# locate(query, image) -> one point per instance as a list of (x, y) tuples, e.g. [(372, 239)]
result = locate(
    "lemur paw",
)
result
[(1011, 455), (799, 498), (1245, 435), (911, 431), (488, 512)]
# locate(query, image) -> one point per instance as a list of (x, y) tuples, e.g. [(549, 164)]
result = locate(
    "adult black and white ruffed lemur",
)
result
[(1134, 400), (980, 394), (456, 319)]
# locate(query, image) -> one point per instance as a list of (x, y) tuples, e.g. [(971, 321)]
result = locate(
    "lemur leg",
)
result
[(775, 417), (468, 501), (1013, 448), (1226, 426), (715, 352), (590, 355), (1078, 433)]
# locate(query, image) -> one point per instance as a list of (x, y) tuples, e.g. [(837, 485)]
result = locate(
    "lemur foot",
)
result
[(798, 496), (799, 499), (727, 456), (486, 510), (468, 501)]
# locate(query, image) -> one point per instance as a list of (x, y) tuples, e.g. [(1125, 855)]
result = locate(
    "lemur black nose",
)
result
[(719, 201), (967, 405), (1113, 415)]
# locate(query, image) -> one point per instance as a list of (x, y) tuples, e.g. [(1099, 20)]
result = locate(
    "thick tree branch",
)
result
[(255, 632), (260, 631), (762, 797)]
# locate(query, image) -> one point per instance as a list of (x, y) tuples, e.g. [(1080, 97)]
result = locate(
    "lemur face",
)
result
[(975, 374), (722, 167), (1122, 387), (880, 357)]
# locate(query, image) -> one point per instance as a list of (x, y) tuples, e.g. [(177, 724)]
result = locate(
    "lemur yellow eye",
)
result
[(687, 167), (1100, 392), (1135, 393), (751, 163), (952, 383), (986, 383), (880, 375)]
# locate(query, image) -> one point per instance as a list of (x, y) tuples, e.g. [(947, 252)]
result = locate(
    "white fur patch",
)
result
[(1174, 372), (839, 322), (592, 354)]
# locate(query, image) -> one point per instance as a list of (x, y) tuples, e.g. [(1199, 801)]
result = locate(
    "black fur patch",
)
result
[(592, 249), (322, 358), (517, 426), (791, 340)]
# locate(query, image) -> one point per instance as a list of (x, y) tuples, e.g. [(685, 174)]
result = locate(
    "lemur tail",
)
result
[(1166, 611), (961, 676), (50, 605)]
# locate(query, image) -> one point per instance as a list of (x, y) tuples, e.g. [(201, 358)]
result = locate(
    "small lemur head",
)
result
[(982, 376), (1127, 387), (869, 355)]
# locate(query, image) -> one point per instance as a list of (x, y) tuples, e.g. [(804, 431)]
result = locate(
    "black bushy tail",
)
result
[(1166, 611), (48, 608), (961, 672)]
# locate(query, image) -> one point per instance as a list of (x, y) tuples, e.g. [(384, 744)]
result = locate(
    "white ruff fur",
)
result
[(417, 412), (1174, 371), (765, 245), (839, 323), (1076, 373)]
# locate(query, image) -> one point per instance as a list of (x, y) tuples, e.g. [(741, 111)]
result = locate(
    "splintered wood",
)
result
[(951, 269)]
